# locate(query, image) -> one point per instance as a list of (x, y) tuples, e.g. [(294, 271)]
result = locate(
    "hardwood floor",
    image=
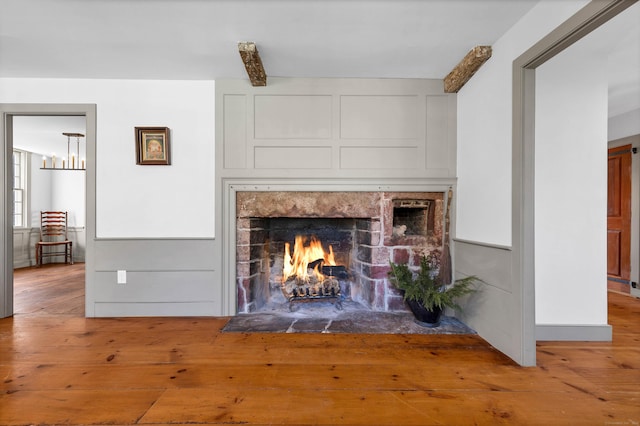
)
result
[(59, 368), (53, 289)]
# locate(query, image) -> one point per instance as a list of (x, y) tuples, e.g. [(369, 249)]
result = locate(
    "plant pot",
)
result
[(425, 317)]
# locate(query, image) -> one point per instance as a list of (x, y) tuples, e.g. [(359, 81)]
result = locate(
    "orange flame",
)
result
[(304, 254)]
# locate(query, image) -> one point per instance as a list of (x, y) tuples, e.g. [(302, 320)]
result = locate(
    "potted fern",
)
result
[(426, 294)]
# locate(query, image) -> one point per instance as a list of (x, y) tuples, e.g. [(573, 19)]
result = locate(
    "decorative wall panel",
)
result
[(438, 119), (379, 157), (235, 131), (379, 117), (304, 127), (293, 158), (288, 117)]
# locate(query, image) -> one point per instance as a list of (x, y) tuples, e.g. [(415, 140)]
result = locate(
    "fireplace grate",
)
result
[(294, 301)]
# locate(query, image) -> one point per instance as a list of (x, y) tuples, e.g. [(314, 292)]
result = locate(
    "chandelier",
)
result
[(72, 161)]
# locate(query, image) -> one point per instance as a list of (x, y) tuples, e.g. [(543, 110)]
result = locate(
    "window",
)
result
[(19, 188)]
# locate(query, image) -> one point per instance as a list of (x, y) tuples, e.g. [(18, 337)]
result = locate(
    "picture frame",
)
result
[(152, 146)]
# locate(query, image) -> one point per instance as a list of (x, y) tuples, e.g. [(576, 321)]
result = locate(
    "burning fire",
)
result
[(304, 254)]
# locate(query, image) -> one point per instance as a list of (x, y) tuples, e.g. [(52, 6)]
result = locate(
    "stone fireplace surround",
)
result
[(374, 242)]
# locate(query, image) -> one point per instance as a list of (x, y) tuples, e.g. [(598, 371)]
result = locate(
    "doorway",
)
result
[(586, 20), (10, 114), (619, 146), (619, 219), (43, 184)]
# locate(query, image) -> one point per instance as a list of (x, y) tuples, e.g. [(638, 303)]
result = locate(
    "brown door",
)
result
[(619, 218)]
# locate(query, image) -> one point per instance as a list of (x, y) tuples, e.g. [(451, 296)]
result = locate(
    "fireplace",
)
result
[(362, 231)]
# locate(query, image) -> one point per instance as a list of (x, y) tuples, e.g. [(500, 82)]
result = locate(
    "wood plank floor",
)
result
[(59, 368)]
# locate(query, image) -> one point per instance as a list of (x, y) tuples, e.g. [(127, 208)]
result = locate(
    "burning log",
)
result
[(335, 271), (313, 265), (310, 272), (329, 270), (296, 288)]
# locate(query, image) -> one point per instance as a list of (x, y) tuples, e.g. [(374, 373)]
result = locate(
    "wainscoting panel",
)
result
[(173, 309), (492, 310), (172, 291), (491, 263), (154, 287), (154, 254), (163, 277), (21, 247)]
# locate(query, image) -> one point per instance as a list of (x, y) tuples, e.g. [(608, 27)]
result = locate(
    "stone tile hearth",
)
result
[(325, 318)]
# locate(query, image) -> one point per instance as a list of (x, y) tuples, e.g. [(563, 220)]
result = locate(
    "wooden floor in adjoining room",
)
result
[(58, 367)]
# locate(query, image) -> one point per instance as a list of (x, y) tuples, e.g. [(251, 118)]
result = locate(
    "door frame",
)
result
[(586, 20), (7, 112)]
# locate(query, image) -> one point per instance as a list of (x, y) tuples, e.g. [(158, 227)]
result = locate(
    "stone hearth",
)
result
[(322, 318)]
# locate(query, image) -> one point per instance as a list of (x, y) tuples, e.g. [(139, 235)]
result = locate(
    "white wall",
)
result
[(67, 194), (40, 195), (484, 129), (571, 188), (624, 125), (142, 201), (56, 190)]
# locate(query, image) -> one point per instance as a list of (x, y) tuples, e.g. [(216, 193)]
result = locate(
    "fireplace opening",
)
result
[(359, 233), (308, 280), (294, 260)]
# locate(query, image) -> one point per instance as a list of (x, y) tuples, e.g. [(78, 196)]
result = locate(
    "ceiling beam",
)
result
[(463, 72), (252, 63)]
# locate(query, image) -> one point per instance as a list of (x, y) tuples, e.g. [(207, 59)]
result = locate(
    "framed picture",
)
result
[(152, 146)]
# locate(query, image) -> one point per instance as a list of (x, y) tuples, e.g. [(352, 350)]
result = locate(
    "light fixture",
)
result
[(72, 161)]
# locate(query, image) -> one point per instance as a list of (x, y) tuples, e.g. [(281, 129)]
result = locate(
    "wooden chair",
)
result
[(53, 233)]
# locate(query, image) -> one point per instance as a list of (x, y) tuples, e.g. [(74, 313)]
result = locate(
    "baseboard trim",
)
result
[(155, 309), (589, 333), (22, 264)]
